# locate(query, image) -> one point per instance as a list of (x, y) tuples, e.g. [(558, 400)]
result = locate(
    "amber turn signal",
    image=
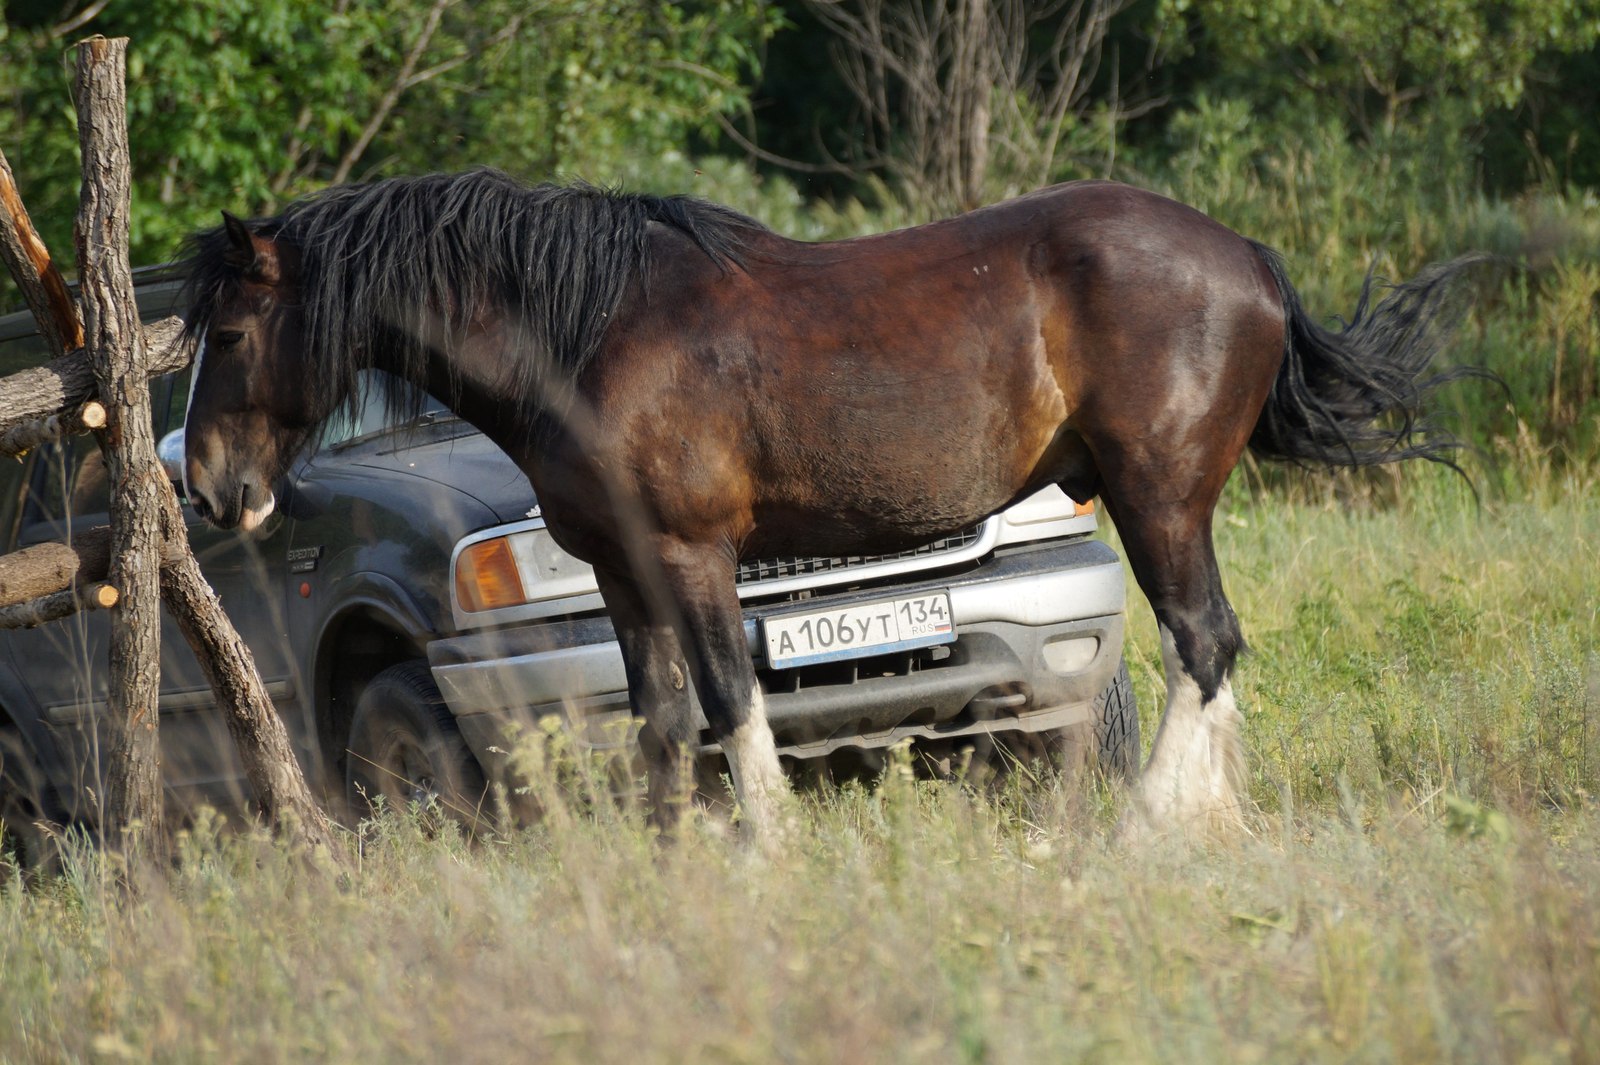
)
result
[(487, 576)]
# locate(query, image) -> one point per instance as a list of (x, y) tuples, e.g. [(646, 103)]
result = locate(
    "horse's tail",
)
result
[(1357, 396)]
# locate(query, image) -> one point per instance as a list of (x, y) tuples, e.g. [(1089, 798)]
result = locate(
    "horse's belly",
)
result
[(897, 469), (894, 496)]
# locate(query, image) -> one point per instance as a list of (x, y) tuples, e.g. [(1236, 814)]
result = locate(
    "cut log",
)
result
[(68, 384), (43, 569), (25, 436), (52, 567), (57, 605)]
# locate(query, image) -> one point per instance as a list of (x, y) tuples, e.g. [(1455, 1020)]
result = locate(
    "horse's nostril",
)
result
[(201, 507)]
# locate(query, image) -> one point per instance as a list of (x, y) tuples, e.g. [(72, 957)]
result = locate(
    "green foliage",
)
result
[(1477, 52), (243, 105), (1463, 817), (1337, 206)]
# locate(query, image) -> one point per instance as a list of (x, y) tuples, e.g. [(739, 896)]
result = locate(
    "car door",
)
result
[(64, 664), (250, 574)]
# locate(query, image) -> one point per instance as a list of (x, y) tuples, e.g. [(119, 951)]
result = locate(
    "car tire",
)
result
[(1109, 740), (24, 845), (406, 747), (1116, 727)]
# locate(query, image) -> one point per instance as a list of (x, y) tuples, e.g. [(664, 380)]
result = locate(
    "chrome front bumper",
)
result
[(1039, 635)]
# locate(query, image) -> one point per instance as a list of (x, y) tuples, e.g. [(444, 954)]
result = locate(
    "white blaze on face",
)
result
[(194, 377)]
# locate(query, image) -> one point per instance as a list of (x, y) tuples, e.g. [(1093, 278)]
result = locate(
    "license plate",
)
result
[(854, 631)]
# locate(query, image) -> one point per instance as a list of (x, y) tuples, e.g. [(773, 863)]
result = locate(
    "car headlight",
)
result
[(1046, 514), (521, 567)]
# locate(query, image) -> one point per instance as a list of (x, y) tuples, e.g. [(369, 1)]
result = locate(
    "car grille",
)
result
[(758, 570)]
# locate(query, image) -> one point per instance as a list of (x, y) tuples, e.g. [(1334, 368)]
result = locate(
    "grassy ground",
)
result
[(1422, 881), (1407, 639)]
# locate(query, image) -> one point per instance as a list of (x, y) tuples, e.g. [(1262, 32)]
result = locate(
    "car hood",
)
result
[(455, 455)]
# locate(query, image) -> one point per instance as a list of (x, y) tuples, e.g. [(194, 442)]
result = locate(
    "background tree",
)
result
[(1377, 58), (1342, 131), (244, 105), (958, 100)]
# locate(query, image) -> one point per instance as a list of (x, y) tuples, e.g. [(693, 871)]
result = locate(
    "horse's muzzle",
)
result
[(245, 508)]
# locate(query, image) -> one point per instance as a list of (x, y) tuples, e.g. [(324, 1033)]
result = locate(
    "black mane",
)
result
[(379, 262)]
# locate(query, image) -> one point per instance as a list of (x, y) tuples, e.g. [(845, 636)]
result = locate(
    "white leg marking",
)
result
[(758, 780), (1196, 770)]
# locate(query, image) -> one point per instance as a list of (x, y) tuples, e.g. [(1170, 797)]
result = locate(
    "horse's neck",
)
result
[(474, 379)]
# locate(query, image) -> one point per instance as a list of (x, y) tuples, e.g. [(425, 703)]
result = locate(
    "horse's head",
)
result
[(250, 411)]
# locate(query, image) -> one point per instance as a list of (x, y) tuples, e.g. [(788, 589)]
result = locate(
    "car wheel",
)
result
[(24, 847), (405, 746), (1116, 726), (1110, 738)]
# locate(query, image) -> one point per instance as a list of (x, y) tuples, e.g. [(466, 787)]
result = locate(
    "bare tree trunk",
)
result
[(146, 512), (976, 115), (959, 99), (134, 814)]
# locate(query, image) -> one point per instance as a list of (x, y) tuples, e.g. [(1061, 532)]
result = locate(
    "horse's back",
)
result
[(909, 383)]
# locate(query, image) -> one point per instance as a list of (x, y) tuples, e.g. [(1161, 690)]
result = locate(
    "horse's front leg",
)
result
[(702, 582), (658, 687)]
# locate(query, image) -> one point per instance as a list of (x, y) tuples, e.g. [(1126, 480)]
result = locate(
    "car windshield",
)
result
[(374, 415)]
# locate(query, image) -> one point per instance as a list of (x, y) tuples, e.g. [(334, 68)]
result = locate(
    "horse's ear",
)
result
[(242, 246), (255, 257)]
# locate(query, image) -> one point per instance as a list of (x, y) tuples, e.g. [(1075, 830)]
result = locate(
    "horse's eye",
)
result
[(228, 339)]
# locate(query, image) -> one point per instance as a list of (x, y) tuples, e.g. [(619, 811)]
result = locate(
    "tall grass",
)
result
[(913, 922), (1410, 641), (1421, 881)]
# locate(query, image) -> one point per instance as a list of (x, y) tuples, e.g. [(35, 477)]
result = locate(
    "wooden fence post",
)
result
[(148, 541), (133, 816)]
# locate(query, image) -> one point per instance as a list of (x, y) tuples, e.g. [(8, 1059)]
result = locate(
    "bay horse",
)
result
[(685, 388)]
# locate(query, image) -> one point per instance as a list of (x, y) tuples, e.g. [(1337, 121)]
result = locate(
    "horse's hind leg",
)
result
[(1196, 767)]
